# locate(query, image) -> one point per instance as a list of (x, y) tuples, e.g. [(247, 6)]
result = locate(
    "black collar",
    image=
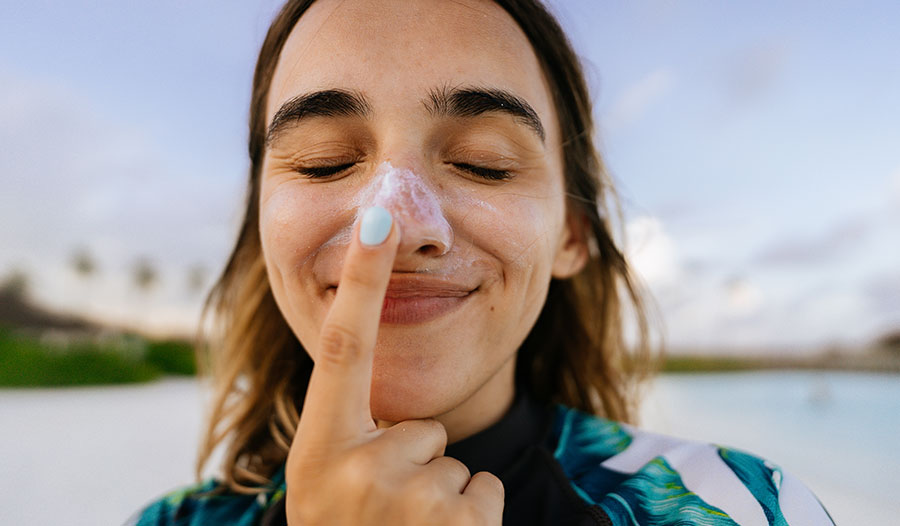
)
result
[(496, 449)]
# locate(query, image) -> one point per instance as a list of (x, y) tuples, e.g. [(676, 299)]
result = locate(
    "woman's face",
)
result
[(439, 112)]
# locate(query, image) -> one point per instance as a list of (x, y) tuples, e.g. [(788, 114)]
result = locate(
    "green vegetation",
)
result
[(28, 361), (711, 364), (875, 360), (172, 357)]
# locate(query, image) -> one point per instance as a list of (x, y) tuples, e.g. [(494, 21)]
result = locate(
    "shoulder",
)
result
[(648, 478), (207, 503)]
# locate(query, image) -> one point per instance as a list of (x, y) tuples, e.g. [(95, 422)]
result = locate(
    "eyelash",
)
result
[(486, 173), (323, 172)]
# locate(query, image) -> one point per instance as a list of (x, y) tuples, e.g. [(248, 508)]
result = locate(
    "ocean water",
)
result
[(93, 456), (838, 432)]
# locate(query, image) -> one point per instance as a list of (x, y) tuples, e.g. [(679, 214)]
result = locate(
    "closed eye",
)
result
[(321, 172), (486, 173)]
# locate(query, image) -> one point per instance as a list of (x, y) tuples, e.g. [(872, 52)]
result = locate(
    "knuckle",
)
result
[(460, 470), (436, 429), (339, 346), (427, 425), (490, 480), (498, 484)]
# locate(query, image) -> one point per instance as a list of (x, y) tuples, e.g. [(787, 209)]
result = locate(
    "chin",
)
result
[(405, 394), (414, 377)]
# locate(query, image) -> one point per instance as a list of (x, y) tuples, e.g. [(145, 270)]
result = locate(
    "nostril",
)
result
[(429, 250)]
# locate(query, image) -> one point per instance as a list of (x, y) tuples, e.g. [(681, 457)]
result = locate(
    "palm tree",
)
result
[(85, 267), (196, 279), (83, 263), (144, 274)]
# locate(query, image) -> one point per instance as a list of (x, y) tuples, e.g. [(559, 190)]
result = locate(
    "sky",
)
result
[(755, 148)]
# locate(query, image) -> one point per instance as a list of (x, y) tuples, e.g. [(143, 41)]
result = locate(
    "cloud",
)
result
[(639, 98), (816, 250), (742, 297), (651, 252), (717, 315), (757, 314), (782, 306)]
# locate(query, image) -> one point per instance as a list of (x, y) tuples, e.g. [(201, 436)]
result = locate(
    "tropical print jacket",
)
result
[(562, 466)]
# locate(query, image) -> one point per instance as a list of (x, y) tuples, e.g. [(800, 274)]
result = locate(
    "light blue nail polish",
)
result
[(375, 227)]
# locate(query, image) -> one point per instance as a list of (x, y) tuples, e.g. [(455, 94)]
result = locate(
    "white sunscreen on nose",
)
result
[(415, 207)]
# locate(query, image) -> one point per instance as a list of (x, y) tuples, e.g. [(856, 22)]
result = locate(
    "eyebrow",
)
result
[(325, 103), (472, 102), (445, 102)]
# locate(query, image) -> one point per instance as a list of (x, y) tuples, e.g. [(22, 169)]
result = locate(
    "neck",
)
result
[(484, 408)]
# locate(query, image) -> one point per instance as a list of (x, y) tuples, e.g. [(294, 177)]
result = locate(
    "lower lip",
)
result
[(418, 309)]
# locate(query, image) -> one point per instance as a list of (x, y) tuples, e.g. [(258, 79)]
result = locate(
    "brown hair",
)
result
[(575, 354)]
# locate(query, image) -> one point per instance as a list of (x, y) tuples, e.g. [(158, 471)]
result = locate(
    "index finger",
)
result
[(337, 398)]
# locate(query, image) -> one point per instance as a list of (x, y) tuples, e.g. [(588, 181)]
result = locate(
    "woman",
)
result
[(423, 226)]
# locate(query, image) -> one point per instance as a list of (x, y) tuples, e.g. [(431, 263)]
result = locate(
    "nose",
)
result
[(416, 208)]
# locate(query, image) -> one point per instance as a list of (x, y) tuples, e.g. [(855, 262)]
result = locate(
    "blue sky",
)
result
[(756, 147)]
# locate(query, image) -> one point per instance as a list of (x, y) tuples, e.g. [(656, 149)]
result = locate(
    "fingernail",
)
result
[(375, 227)]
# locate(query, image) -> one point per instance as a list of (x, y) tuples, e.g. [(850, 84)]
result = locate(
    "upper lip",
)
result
[(411, 286)]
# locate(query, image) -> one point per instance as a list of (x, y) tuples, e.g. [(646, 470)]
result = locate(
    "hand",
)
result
[(341, 468)]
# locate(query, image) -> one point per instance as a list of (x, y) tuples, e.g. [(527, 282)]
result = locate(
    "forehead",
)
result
[(398, 50)]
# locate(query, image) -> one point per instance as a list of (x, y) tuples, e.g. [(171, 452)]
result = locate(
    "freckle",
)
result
[(492, 308)]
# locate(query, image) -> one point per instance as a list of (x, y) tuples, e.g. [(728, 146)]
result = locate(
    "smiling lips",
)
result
[(417, 299)]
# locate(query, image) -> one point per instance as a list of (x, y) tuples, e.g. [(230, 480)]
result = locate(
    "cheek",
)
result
[(295, 223), (296, 220), (284, 230), (518, 230)]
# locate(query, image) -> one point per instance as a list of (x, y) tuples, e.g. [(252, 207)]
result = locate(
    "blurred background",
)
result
[(756, 148)]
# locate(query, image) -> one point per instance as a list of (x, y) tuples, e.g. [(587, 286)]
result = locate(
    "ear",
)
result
[(572, 252)]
